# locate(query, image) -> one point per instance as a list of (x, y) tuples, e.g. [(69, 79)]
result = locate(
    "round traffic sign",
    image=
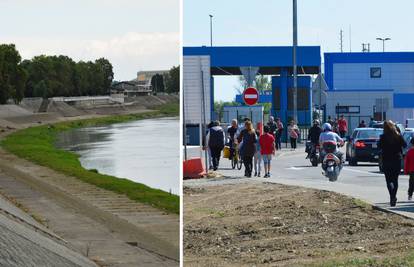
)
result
[(250, 96)]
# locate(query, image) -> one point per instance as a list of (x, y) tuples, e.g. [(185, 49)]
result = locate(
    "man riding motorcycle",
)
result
[(329, 136), (313, 136)]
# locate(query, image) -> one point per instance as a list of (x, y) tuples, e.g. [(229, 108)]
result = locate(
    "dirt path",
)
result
[(105, 226), (276, 225)]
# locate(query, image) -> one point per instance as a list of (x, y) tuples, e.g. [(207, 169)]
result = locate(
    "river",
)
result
[(144, 151)]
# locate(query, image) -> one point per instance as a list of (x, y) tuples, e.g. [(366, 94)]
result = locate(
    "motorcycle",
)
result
[(331, 162), (313, 153)]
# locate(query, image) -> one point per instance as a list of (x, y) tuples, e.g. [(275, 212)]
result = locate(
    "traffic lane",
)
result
[(362, 181)]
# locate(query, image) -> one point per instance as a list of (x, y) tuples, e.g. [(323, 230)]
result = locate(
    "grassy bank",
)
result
[(37, 145)]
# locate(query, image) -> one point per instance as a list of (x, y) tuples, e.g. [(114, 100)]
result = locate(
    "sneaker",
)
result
[(268, 175), (393, 202), (265, 176), (255, 174), (410, 198), (258, 175)]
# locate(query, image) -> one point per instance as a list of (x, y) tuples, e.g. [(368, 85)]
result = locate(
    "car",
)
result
[(362, 145), (380, 124)]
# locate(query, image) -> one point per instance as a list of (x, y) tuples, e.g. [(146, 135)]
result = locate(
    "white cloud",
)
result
[(128, 53)]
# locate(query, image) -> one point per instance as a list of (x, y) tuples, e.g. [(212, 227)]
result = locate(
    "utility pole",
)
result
[(211, 30), (295, 69), (341, 38)]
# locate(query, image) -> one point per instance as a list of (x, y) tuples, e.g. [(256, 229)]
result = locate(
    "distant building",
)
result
[(138, 86), (144, 78), (365, 85)]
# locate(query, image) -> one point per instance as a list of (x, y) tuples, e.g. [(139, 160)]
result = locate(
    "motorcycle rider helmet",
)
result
[(327, 127)]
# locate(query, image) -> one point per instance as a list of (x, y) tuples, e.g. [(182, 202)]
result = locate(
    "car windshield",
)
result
[(407, 137), (369, 134)]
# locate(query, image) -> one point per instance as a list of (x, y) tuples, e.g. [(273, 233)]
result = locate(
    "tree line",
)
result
[(50, 76)]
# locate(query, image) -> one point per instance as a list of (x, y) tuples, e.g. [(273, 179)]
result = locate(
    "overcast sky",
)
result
[(133, 34), (269, 22)]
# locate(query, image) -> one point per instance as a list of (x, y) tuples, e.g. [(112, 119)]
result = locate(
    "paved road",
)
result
[(291, 168)]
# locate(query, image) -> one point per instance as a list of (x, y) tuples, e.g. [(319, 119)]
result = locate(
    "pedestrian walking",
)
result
[(293, 132), (391, 144), (362, 124), (231, 136), (330, 120), (267, 149), (248, 138), (216, 139), (257, 159), (205, 145), (279, 133), (409, 169), (335, 126), (272, 125), (342, 126)]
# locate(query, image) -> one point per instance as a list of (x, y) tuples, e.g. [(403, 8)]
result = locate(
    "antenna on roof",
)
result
[(341, 38)]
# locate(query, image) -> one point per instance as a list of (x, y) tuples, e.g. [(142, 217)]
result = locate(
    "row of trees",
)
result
[(168, 83), (49, 76)]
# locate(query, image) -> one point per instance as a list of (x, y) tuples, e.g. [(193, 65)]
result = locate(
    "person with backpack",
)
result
[(267, 149), (248, 138), (216, 140)]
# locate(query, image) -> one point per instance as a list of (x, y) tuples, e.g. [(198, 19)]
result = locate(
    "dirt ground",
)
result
[(277, 225)]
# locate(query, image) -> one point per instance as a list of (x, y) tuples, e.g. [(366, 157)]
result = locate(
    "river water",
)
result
[(144, 151)]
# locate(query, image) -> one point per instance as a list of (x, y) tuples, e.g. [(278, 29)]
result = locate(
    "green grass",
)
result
[(37, 145)]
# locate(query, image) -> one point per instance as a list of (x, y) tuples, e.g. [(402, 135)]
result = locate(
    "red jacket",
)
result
[(409, 161), (342, 125)]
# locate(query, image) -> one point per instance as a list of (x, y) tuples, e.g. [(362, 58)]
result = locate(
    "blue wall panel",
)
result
[(403, 100)]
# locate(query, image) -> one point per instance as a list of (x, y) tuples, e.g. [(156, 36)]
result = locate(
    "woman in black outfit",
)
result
[(249, 139), (391, 144)]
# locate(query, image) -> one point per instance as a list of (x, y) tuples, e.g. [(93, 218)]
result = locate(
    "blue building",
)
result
[(365, 85)]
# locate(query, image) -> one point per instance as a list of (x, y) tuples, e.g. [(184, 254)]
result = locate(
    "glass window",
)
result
[(375, 72), (369, 134)]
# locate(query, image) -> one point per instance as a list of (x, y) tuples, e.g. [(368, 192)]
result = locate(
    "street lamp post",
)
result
[(383, 42), (295, 69), (211, 30)]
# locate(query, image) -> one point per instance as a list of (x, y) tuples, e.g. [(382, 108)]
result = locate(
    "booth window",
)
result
[(376, 72)]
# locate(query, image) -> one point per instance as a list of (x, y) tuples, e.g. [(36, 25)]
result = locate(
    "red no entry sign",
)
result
[(250, 96)]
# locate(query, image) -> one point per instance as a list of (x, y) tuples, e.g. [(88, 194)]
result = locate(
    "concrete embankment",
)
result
[(102, 225), (27, 112), (25, 242)]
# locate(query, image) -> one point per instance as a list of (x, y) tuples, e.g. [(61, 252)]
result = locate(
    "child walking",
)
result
[(257, 159), (267, 149), (409, 169)]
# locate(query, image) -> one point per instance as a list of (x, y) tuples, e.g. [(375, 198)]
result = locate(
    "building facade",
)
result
[(364, 85)]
